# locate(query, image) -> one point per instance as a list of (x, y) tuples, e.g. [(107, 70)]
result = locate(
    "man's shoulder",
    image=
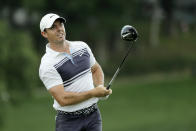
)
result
[(78, 43), (46, 62)]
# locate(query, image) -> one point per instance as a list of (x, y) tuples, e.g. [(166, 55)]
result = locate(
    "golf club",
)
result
[(128, 33)]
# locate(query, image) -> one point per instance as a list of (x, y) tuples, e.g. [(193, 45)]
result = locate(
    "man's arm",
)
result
[(98, 79), (65, 98), (98, 76), (69, 98)]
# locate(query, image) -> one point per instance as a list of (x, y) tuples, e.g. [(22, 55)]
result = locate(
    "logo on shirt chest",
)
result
[(82, 52)]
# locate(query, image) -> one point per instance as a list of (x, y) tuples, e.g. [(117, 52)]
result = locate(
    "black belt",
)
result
[(85, 111)]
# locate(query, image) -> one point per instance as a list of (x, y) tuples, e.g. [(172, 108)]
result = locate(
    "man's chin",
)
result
[(59, 41)]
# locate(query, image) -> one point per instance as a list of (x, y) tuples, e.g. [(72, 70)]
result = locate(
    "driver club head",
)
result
[(129, 33)]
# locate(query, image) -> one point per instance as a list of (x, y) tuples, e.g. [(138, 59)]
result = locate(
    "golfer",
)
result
[(73, 77)]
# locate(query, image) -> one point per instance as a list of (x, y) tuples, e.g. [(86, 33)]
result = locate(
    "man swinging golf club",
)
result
[(73, 77), (70, 72)]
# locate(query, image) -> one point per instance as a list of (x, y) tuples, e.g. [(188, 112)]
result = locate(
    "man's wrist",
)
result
[(101, 85)]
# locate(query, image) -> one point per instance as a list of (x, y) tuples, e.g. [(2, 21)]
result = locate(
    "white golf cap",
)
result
[(48, 20)]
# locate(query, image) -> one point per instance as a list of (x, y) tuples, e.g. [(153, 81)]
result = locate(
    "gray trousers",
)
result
[(91, 122)]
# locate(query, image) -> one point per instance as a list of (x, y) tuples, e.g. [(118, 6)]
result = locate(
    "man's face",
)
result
[(55, 34)]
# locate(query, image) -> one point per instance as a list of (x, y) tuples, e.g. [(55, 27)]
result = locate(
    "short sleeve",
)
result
[(92, 58), (50, 77)]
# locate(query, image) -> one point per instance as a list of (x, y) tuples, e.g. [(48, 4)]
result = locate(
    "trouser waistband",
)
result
[(85, 111)]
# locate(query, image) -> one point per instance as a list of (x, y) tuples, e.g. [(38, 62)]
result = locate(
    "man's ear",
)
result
[(44, 34)]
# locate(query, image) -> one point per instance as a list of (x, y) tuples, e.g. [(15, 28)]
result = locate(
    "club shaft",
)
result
[(116, 73), (118, 69)]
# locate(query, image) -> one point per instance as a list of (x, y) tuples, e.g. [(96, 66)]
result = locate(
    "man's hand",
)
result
[(101, 91)]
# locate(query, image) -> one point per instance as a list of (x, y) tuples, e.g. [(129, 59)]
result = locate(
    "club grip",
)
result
[(108, 87)]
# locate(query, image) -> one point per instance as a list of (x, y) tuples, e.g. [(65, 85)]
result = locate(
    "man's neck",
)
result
[(60, 47)]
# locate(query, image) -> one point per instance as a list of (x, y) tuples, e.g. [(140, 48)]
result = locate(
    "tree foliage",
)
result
[(18, 66)]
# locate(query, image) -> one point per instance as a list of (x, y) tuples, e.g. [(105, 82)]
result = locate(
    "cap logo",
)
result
[(52, 16)]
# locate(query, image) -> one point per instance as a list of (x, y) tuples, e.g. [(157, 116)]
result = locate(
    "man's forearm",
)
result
[(70, 98)]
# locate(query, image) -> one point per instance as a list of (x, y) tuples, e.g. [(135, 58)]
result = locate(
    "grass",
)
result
[(150, 103), (166, 105), (32, 115)]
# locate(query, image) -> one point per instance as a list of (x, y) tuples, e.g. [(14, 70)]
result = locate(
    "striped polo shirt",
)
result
[(72, 70)]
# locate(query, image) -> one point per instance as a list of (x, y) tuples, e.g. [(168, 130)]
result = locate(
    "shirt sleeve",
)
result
[(50, 77), (92, 58)]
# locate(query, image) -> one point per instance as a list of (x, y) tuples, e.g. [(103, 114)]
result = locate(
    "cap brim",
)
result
[(62, 19), (49, 25)]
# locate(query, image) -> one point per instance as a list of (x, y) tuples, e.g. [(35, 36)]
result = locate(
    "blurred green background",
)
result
[(155, 90)]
